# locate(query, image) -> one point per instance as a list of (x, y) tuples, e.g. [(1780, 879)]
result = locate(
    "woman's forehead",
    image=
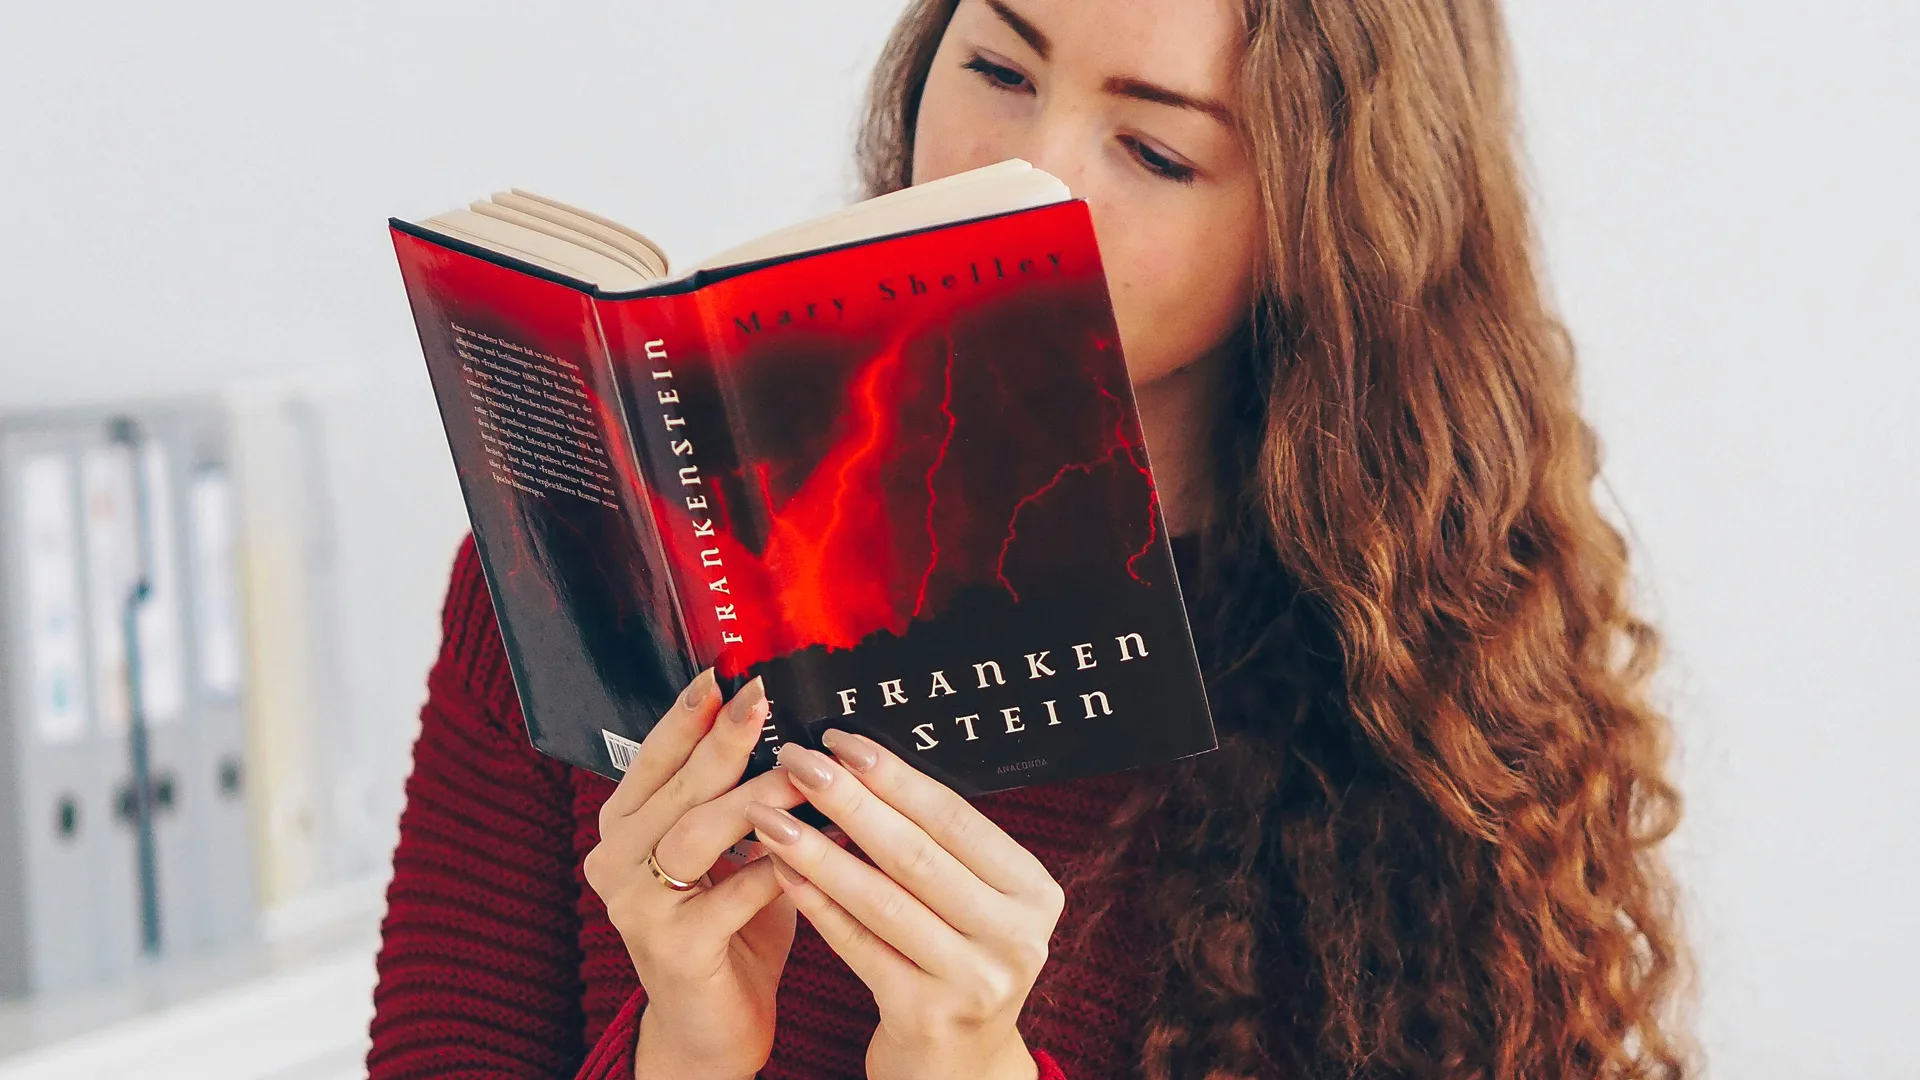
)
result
[(1189, 46)]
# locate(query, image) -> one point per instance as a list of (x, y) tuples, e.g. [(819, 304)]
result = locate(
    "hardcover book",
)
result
[(889, 460)]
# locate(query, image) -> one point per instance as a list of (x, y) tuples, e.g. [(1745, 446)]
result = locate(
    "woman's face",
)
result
[(1130, 103)]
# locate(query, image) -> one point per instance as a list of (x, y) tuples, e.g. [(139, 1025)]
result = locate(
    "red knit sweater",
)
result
[(498, 960)]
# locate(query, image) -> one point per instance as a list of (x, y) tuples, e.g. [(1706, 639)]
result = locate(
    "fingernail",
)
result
[(786, 873), (773, 823), (807, 767), (697, 691), (750, 705), (857, 751)]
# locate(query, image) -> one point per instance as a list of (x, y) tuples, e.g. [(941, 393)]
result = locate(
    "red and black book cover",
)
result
[(903, 480)]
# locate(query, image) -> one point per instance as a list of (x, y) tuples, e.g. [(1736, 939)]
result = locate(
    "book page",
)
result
[(601, 252), (550, 252), (993, 189)]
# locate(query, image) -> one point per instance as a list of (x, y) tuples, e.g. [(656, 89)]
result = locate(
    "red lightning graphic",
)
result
[(801, 549), (933, 556), (1120, 444), (837, 493), (1153, 495)]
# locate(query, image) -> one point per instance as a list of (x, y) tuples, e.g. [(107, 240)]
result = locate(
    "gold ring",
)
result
[(667, 879)]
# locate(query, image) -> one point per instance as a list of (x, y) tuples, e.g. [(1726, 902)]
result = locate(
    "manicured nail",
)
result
[(750, 706), (807, 767), (773, 823), (696, 692), (786, 873), (699, 690), (857, 751)]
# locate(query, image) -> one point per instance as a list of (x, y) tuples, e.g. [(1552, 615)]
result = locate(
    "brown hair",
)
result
[(1428, 844)]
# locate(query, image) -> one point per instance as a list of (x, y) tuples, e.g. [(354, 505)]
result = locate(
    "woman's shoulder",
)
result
[(472, 710)]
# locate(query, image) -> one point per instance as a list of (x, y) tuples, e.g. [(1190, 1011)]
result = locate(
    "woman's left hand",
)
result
[(949, 932)]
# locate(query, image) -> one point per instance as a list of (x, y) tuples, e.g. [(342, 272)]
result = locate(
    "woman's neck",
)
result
[(1177, 414)]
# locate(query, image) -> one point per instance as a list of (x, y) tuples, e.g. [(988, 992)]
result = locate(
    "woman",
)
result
[(1427, 845)]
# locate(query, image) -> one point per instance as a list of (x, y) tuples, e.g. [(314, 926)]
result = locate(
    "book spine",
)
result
[(687, 445), (647, 524)]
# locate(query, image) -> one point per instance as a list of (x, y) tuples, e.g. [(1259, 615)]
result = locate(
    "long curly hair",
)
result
[(1428, 845)]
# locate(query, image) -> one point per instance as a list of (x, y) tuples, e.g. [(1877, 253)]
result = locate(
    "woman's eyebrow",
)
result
[(1125, 86), (1018, 23), (1142, 90)]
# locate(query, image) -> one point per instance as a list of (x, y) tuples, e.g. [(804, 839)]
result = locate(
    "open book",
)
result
[(887, 459)]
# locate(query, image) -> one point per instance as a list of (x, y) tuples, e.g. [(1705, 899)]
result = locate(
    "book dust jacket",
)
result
[(902, 480)]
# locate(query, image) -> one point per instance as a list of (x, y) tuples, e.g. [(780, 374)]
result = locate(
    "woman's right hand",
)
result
[(709, 958)]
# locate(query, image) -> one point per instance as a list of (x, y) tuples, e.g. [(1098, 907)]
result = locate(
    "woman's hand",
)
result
[(709, 958), (949, 932)]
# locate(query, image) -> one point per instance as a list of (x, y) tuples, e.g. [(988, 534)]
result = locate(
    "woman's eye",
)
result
[(997, 75), (1159, 164)]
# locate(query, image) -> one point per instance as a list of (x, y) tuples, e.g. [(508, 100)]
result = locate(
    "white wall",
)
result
[(221, 173), (194, 198), (194, 195)]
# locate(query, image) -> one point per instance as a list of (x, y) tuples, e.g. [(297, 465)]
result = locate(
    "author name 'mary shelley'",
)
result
[(988, 674), (906, 287)]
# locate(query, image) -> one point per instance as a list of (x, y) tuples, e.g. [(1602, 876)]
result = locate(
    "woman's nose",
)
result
[(1060, 142)]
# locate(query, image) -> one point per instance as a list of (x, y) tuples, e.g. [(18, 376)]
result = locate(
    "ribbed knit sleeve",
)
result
[(479, 963), (497, 960)]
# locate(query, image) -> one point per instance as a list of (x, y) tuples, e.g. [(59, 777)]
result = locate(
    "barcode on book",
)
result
[(620, 748)]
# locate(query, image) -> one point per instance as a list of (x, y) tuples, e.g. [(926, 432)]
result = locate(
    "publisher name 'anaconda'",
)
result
[(901, 288)]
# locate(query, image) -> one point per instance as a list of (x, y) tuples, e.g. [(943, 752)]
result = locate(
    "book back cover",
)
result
[(554, 495)]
